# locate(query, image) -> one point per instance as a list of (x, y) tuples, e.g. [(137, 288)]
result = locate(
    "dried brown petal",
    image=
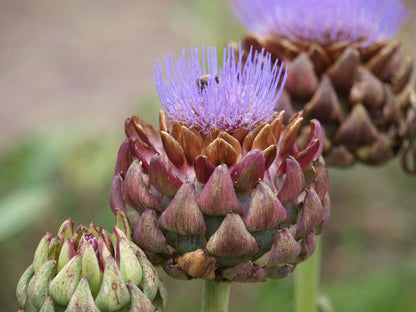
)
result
[(147, 133), (270, 154), (276, 126), (232, 141), (173, 150), (191, 143), (162, 121), (220, 151), (290, 135), (248, 140), (264, 138), (197, 264)]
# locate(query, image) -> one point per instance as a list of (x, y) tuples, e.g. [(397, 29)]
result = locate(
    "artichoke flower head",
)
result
[(222, 191), (345, 69)]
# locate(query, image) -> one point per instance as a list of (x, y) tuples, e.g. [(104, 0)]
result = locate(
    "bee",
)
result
[(202, 82)]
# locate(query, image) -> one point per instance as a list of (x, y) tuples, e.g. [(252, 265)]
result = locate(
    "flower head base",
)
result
[(242, 94), (324, 21)]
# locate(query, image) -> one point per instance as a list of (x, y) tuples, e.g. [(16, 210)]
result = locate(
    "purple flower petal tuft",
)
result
[(239, 95), (324, 21)]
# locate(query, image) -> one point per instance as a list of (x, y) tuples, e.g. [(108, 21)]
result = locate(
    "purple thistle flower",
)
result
[(324, 21), (239, 95)]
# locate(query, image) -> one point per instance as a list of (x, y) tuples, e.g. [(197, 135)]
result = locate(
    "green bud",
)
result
[(129, 264), (139, 302), (66, 254), (137, 249), (21, 291), (54, 248), (66, 230), (64, 284), (88, 271), (91, 268), (150, 281), (123, 223), (103, 251), (94, 230), (163, 299), (41, 253), (106, 237), (38, 286), (29, 307), (48, 305), (113, 293), (82, 299)]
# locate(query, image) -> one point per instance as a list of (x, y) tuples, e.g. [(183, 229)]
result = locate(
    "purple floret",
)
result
[(324, 21), (239, 95)]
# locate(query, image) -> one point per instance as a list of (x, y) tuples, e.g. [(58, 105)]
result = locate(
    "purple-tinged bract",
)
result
[(241, 94), (324, 21)]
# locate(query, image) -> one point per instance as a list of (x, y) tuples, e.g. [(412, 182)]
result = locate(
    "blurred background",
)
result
[(72, 71)]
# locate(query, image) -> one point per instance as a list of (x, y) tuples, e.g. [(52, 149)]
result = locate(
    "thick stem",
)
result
[(215, 296), (307, 282)]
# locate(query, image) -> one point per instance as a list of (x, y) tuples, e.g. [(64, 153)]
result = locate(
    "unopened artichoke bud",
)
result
[(87, 269), (344, 70), (223, 183)]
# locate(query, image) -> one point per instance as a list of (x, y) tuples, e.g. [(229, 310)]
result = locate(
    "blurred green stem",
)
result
[(307, 282), (215, 296)]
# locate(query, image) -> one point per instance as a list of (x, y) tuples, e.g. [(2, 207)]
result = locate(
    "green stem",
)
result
[(307, 282), (215, 296)]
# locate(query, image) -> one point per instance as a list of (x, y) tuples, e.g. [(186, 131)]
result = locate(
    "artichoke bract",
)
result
[(343, 70), (222, 191), (87, 269)]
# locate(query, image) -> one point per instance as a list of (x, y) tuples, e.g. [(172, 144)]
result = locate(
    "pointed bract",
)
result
[(218, 196), (232, 239), (182, 214)]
